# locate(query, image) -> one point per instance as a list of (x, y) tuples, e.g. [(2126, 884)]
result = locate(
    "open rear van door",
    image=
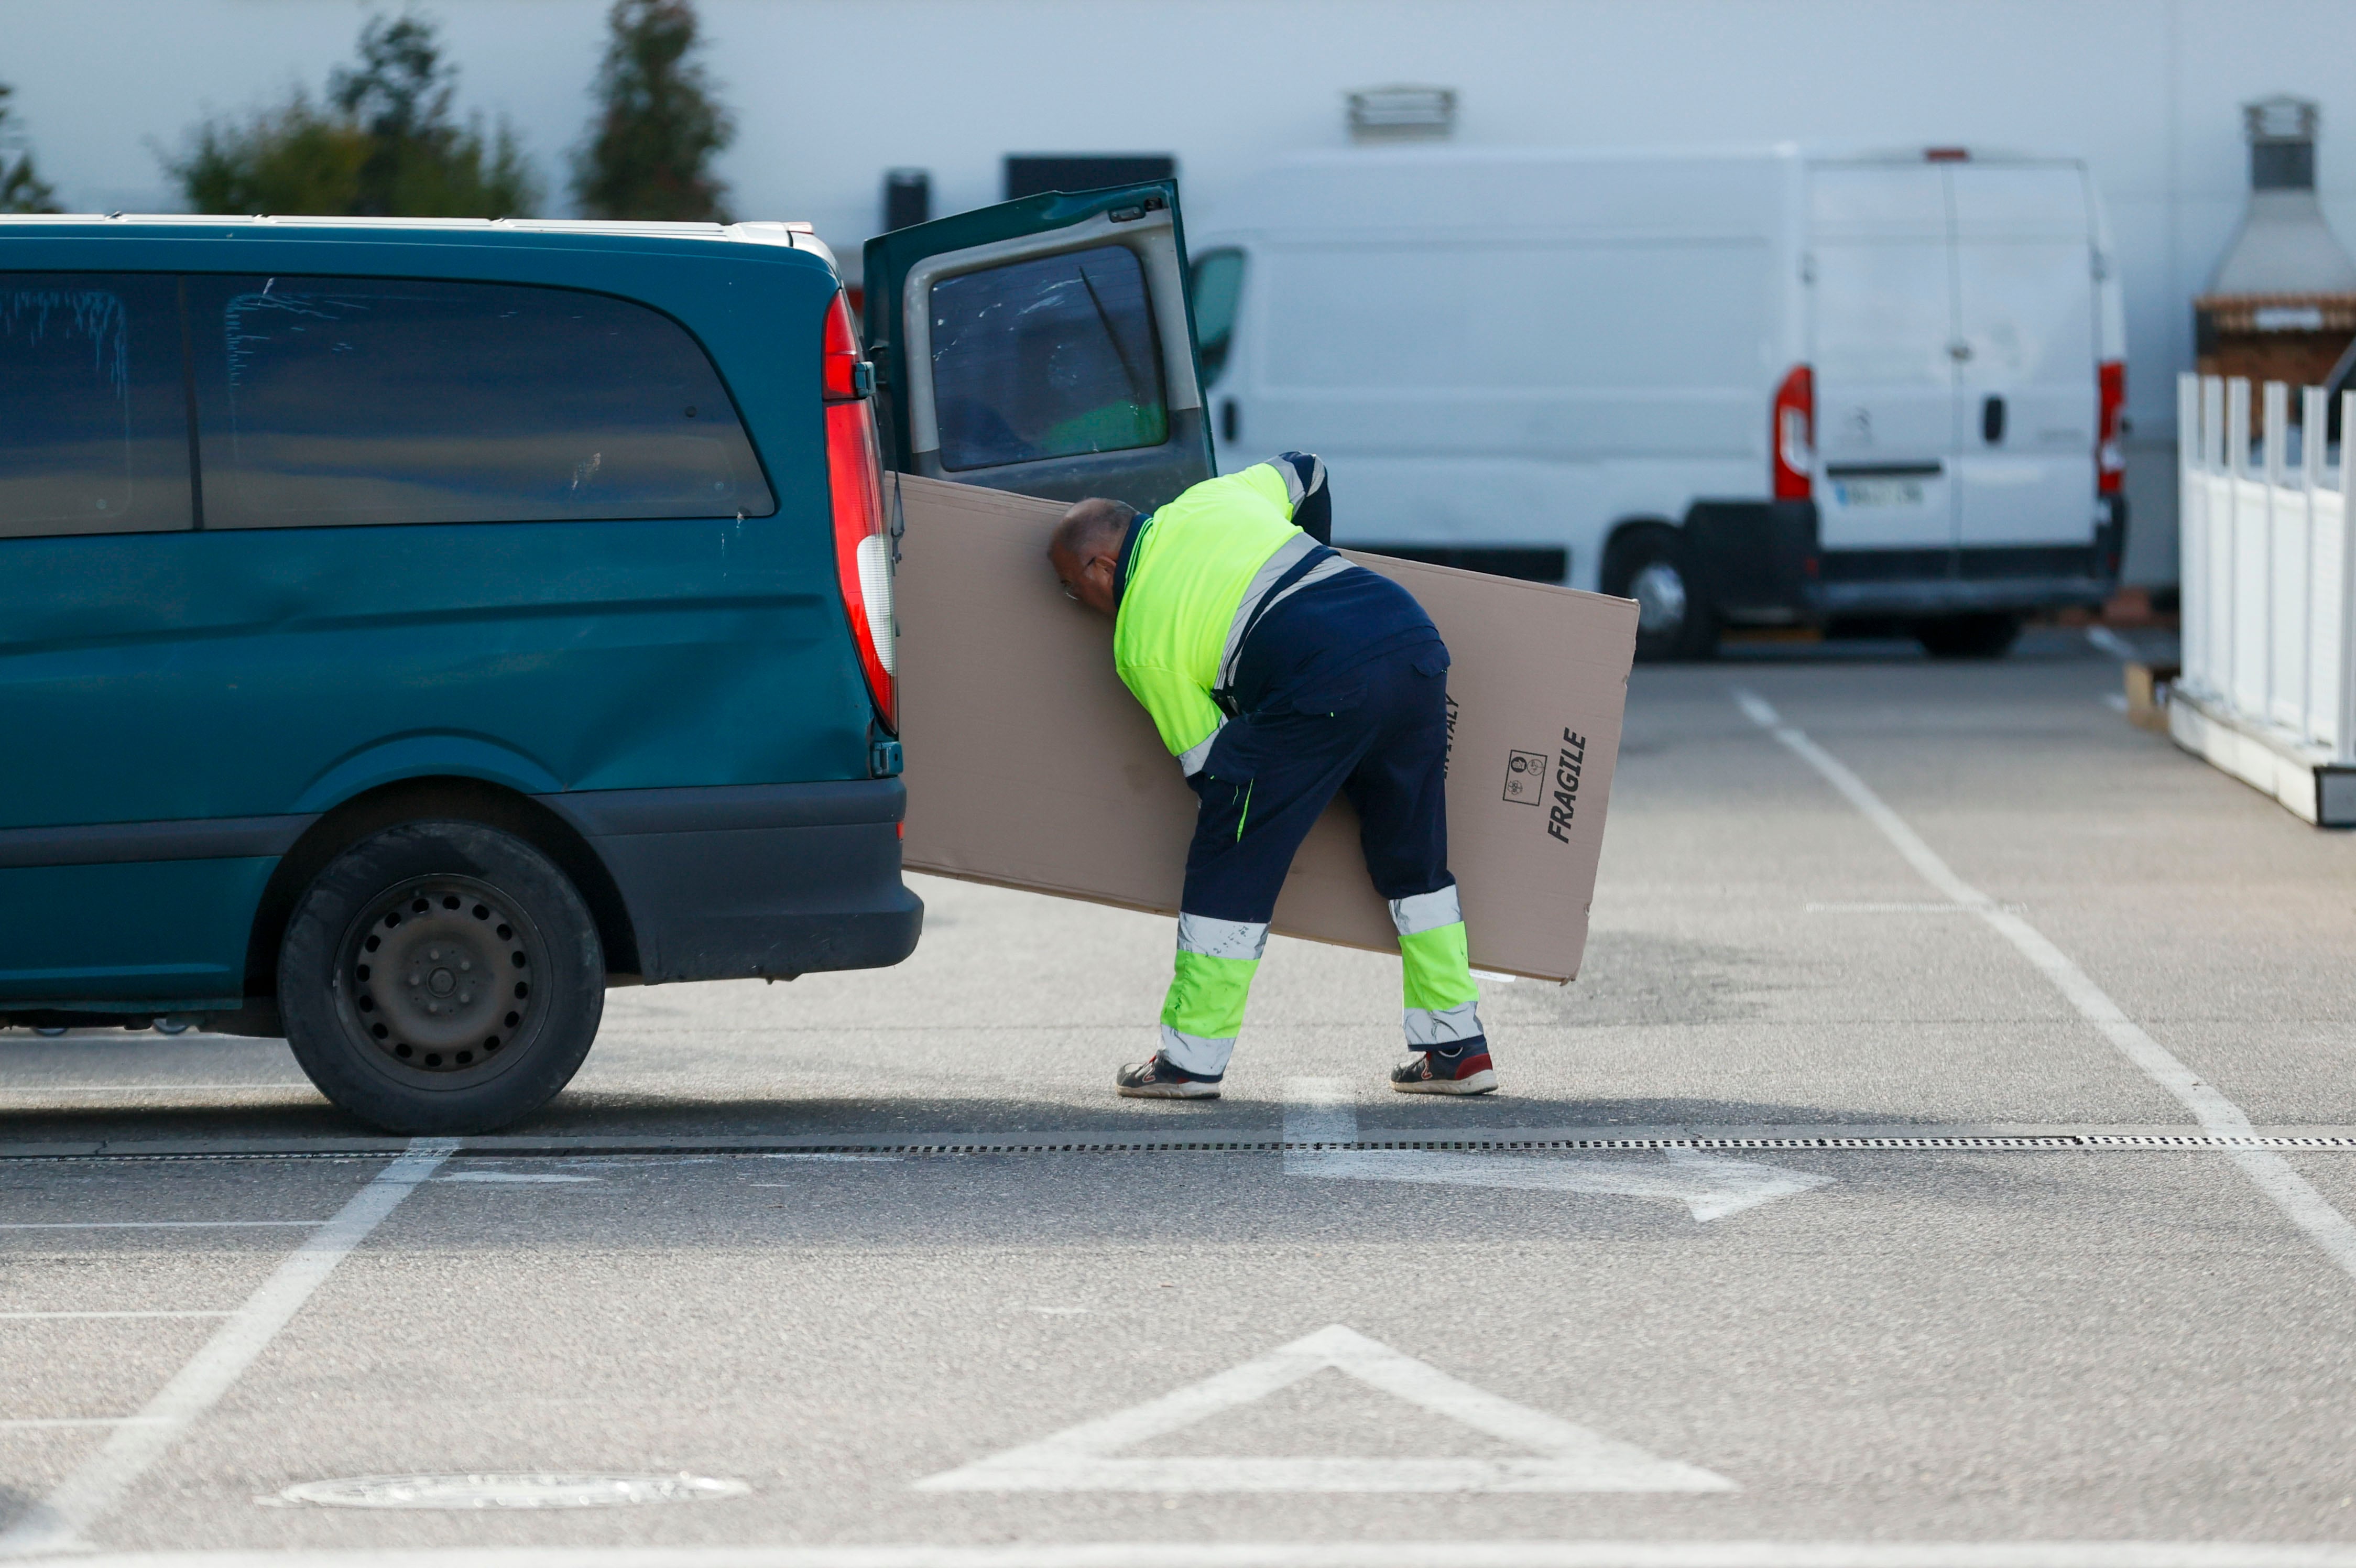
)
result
[(1045, 345)]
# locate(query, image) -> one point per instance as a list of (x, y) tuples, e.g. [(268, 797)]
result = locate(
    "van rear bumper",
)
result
[(1984, 578), (1944, 582), (1956, 581), (759, 880), (1760, 562)]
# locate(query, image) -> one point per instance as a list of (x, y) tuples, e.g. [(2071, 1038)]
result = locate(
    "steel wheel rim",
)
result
[(1659, 590), (440, 978)]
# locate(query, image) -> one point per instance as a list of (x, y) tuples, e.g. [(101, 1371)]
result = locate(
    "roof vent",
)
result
[(1401, 114)]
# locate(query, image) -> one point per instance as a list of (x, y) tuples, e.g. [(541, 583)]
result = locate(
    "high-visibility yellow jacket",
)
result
[(1195, 575)]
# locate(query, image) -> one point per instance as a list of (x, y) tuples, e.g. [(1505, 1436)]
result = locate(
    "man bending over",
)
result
[(1279, 672)]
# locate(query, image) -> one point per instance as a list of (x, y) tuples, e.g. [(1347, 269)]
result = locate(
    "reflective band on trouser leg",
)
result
[(1423, 912), (1442, 1029), (1205, 1009), (1437, 983), (1222, 938)]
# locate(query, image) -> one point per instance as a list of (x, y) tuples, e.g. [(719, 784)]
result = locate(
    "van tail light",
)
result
[(862, 544), (1794, 431), (2110, 461)]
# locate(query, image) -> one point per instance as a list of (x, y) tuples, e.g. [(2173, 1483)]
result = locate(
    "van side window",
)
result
[(1046, 358), (327, 402), (94, 408), (1219, 289)]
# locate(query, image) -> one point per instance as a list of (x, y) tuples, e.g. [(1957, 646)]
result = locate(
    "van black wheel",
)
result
[(1967, 637), (1674, 617), (441, 977)]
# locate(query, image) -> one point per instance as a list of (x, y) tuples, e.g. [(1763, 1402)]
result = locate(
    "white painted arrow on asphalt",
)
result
[(1711, 1187), (1558, 1455)]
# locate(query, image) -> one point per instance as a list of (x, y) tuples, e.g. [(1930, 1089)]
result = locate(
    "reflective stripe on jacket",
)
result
[(1199, 572)]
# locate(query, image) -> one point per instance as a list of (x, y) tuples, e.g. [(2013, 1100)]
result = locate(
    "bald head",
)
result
[(1086, 550), (1093, 527)]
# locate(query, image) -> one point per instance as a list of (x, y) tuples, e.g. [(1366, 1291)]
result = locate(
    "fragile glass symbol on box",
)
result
[(1525, 778)]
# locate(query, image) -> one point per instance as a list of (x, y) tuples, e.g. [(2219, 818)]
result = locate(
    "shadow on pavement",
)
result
[(591, 1115)]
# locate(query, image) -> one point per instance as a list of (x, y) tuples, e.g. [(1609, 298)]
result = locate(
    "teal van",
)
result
[(410, 628)]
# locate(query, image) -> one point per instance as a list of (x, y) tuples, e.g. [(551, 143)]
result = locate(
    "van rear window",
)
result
[(1046, 358), (93, 418), (345, 400)]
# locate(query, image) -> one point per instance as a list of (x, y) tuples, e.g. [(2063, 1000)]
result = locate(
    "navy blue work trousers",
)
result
[(1382, 742)]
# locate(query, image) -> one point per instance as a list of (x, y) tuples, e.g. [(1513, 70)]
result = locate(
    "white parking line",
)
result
[(154, 1224), (56, 1523), (38, 1422), (1302, 1554), (526, 1178), (22, 1316), (2273, 1175), (139, 1087)]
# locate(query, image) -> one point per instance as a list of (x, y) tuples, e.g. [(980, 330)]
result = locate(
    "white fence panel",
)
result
[(2192, 532), (2217, 482), (2286, 577), (2248, 510), (2269, 592)]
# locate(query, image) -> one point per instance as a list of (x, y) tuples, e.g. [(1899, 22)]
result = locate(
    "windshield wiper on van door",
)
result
[(1128, 370)]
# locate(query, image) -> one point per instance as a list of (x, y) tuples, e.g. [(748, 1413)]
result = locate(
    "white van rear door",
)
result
[(2025, 304), (1883, 326)]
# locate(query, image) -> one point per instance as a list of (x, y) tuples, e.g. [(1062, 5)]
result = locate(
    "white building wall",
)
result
[(832, 92)]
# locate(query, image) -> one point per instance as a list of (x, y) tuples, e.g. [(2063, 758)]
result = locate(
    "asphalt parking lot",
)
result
[(1946, 1159)]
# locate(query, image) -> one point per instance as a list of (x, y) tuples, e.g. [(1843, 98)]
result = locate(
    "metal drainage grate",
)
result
[(1508, 1140), (2073, 1141), (2219, 1141)]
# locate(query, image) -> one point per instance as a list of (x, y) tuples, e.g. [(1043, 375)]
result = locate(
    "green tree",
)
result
[(294, 158), (21, 189), (649, 150), (384, 143)]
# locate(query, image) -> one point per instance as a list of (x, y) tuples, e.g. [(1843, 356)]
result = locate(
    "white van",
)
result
[(1760, 386)]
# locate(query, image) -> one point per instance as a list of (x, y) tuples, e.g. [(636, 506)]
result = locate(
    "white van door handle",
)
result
[(1957, 350)]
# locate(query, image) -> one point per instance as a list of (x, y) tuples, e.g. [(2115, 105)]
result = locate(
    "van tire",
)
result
[(1675, 618), (503, 989), (1969, 636)]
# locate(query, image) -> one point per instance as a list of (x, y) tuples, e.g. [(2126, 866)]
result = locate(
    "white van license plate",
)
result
[(1879, 492)]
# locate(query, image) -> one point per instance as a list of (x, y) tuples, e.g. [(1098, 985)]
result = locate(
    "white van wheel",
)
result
[(1659, 591), (1674, 619)]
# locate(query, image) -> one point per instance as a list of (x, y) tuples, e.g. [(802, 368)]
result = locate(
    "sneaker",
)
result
[(1464, 1070), (1155, 1078)]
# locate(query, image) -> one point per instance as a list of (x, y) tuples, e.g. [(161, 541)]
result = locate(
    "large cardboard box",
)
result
[(1029, 765)]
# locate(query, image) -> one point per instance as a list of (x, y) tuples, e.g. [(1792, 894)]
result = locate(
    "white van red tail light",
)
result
[(862, 545), (2110, 460), (1792, 432)]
